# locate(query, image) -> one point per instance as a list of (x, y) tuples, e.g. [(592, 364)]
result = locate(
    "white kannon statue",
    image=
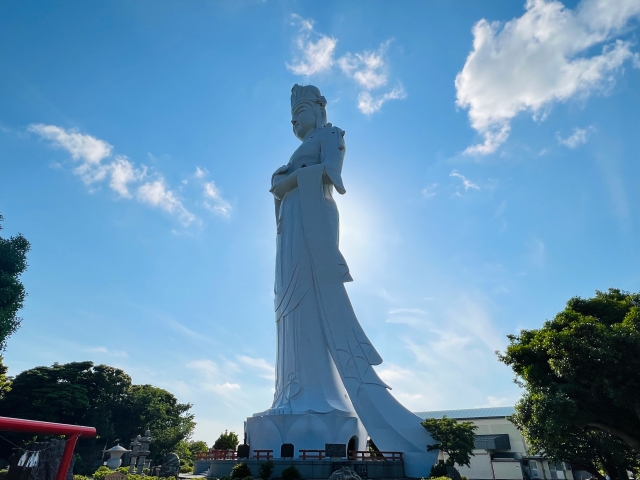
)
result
[(326, 388)]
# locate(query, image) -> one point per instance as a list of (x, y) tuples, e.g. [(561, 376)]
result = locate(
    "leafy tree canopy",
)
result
[(542, 420), (226, 441), (82, 393), (455, 439), (585, 364), (188, 450), (13, 261)]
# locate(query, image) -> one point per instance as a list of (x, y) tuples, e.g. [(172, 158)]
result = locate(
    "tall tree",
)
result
[(581, 374), (13, 261)]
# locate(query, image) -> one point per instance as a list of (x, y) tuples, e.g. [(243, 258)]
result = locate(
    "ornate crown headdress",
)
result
[(307, 93)]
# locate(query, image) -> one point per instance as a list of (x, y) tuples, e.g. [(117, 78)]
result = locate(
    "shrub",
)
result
[(290, 473), (186, 469), (75, 477), (464, 477), (266, 469), (439, 478), (240, 470), (124, 470), (438, 471), (147, 471), (101, 473)]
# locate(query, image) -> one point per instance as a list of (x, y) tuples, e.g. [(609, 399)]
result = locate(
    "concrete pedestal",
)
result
[(305, 431)]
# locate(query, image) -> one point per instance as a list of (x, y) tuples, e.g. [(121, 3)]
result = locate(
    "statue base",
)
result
[(306, 431)]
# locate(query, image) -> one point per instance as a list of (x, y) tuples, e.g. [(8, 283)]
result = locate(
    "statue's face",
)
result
[(303, 119)]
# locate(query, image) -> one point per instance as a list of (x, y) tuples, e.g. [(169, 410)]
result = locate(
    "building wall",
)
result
[(480, 466), (507, 470)]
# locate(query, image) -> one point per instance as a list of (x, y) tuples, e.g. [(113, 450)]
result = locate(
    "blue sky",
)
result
[(492, 173)]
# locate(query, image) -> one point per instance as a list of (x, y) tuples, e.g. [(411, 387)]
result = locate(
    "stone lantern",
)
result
[(115, 456), (135, 448)]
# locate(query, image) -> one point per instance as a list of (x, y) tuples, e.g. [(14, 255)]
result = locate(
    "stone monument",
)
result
[(326, 390), (170, 466), (139, 452)]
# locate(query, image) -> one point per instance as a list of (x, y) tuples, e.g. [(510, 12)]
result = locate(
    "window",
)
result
[(533, 466), (556, 470)]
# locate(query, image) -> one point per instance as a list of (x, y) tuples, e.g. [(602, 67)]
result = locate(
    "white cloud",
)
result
[(260, 364), (578, 137), (313, 57), (369, 104), (91, 152), (201, 172), (156, 194), (496, 402), (211, 374), (123, 173), (538, 59), (80, 146), (467, 184), (368, 68), (220, 206), (106, 351), (429, 192)]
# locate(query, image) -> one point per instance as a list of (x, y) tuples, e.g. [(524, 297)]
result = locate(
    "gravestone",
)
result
[(287, 450), (39, 461), (170, 466), (244, 451), (345, 473), (335, 450)]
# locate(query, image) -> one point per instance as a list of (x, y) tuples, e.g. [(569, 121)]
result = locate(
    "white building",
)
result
[(501, 451)]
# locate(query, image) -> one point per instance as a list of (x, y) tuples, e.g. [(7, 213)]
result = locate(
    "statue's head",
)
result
[(307, 110)]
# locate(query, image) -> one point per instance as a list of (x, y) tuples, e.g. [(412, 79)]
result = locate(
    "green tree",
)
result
[(5, 381), (226, 441), (13, 261), (543, 422), (188, 450), (581, 377), (101, 396), (76, 393), (455, 439), (149, 407)]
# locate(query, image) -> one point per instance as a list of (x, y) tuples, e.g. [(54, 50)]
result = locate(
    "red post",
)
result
[(69, 446)]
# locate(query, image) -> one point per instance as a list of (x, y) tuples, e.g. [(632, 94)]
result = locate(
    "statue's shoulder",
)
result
[(330, 133)]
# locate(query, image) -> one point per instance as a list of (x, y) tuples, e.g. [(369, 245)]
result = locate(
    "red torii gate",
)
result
[(72, 432)]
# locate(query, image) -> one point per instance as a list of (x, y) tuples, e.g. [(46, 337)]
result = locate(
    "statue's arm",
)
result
[(332, 151)]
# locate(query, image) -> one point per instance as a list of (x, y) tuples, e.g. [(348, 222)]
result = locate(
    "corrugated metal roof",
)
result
[(465, 413)]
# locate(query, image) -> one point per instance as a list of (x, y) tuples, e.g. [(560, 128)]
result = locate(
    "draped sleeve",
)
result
[(332, 151)]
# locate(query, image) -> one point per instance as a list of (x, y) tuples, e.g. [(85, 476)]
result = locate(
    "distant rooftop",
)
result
[(495, 412)]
